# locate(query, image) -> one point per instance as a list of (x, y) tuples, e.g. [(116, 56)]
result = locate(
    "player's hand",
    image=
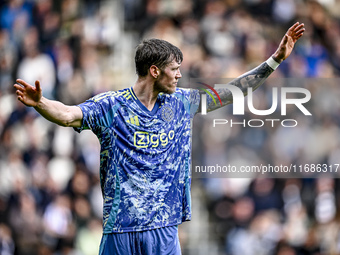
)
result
[(288, 41), (27, 94)]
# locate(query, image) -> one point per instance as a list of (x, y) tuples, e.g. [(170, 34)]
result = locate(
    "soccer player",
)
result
[(145, 137)]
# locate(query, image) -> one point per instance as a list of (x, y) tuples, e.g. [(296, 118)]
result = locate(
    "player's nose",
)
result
[(178, 74)]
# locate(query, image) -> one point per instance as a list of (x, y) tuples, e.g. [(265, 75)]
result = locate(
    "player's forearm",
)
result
[(252, 79), (59, 113)]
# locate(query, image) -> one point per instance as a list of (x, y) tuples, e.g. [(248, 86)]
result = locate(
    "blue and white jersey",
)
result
[(145, 157)]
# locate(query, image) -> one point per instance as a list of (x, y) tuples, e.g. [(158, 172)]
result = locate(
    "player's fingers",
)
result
[(298, 37), (37, 85), (19, 93), (299, 33), (20, 98), (301, 26), (300, 29), (292, 28), (22, 82), (18, 87)]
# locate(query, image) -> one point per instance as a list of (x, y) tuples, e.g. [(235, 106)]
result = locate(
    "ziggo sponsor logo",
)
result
[(144, 139)]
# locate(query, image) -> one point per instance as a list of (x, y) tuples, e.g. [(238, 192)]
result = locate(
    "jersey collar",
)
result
[(143, 107)]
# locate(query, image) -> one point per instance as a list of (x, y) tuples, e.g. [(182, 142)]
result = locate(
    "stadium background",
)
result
[(50, 201)]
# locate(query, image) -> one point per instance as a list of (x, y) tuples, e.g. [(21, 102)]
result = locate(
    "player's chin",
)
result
[(174, 87), (171, 89)]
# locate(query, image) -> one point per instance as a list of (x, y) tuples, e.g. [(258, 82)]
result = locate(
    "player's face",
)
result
[(168, 78)]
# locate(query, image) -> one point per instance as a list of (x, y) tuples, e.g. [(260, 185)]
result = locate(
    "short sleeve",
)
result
[(98, 112), (194, 101), (190, 99)]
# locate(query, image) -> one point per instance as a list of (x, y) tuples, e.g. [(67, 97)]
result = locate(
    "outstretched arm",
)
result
[(54, 111), (258, 75)]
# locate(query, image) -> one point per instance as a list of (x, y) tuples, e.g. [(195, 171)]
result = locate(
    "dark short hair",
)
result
[(155, 52)]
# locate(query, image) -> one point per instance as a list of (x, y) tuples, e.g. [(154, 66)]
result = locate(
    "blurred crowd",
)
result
[(50, 199)]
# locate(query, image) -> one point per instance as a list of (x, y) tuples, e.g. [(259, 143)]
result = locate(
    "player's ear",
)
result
[(154, 71)]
